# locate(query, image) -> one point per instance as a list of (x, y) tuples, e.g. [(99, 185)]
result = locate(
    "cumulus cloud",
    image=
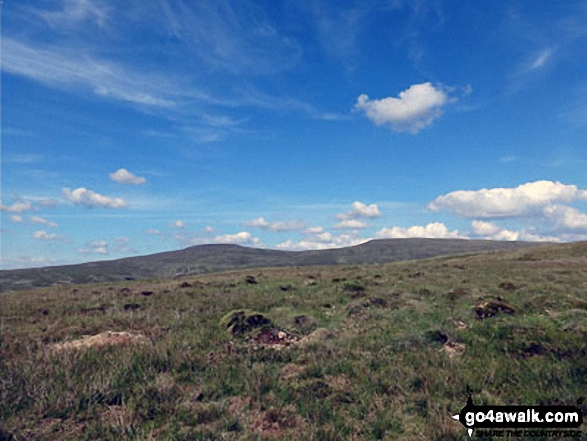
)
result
[(89, 198), (436, 230), (40, 220), (208, 229), (43, 235), (506, 202), (323, 241), (16, 219), (491, 231), (17, 207), (123, 176), (351, 224), (360, 210), (482, 228), (244, 237), (413, 110), (153, 231), (566, 218), (314, 230), (263, 224)]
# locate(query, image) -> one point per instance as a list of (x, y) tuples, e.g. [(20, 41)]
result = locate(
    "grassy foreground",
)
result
[(342, 352)]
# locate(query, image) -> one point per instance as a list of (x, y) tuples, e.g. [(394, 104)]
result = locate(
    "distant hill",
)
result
[(202, 259)]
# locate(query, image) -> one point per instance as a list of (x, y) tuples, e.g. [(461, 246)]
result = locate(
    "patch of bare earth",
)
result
[(453, 348), (108, 338)]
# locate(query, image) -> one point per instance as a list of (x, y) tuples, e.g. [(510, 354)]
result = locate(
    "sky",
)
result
[(131, 128)]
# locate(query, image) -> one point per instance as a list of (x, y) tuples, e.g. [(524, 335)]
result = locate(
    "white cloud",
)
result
[(28, 262), (16, 219), (283, 226), (17, 207), (323, 242), (258, 223), (89, 198), (177, 224), (153, 231), (66, 69), (436, 230), (350, 224), (541, 59), (40, 220), (482, 228), (98, 244), (314, 230), (490, 231), (244, 237), (43, 235), (414, 109), (506, 202), (96, 247), (360, 210), (22, 158), (567, 218), (123, 176), (75, 12), (49, 203), (208, 229)]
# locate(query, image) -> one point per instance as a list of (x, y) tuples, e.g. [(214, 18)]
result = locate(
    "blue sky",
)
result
[(135, 127)]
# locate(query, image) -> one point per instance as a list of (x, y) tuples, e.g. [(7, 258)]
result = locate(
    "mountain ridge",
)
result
[(209, 258)]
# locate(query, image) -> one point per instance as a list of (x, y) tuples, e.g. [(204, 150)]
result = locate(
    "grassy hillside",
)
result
[(325, 352), (213, 258)]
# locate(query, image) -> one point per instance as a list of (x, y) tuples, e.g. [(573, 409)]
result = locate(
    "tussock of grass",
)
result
[(382, 352)]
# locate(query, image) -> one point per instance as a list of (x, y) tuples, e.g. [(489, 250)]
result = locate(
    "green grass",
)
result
[(367, 361)]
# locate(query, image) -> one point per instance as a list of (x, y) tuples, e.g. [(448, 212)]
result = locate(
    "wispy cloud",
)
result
[(541, 59), (43, 221), (22, 158), (234, 37), (43, 235), (18, 207), (66, 70), (76, 12)]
